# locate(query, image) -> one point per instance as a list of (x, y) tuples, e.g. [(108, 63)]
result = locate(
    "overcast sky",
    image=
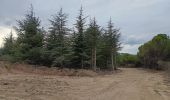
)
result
[(138, 20)]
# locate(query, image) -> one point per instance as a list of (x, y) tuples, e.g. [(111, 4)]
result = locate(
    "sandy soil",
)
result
[(130, 84)]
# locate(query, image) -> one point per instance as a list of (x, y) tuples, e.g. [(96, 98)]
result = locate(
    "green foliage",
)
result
[(7, 52), (80, 48), (92, 35), (156, 49), (1, 49), (79, 54), (60, 47), (124, 59), (57, 40), (109, 46), (30, 38), (8, 45)]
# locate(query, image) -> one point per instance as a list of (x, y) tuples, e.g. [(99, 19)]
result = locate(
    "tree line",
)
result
[(83, 46), (157, 49), (128, 60)]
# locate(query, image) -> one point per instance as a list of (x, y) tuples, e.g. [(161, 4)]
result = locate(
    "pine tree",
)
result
[(56, 42), (92, 39), (113, 44), (8, 45), (79, 42), (30, 38)]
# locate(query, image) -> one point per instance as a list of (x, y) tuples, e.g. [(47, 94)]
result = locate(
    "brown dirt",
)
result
[(129, 84)]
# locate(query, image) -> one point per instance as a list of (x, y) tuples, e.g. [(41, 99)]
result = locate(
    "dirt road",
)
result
[(130, 84)]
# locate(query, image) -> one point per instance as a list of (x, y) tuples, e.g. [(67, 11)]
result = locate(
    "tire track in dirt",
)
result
[(130, 84)]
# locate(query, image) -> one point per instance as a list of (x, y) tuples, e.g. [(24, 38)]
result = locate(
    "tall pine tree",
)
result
[(8, 45), (112, 42), (79, 42), (57, 39), (92, 39), (30, 38)]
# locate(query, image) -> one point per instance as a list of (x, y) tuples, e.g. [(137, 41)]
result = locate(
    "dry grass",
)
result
[(6, 67)]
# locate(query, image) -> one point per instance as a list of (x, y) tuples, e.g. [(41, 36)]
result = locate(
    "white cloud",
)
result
[(132, 49), (139, 20), (137, 38)]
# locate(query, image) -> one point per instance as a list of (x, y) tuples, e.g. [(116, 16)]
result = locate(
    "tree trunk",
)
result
[(61, 64), (112, 60), (115, 65), (93, 59), (82, 63)]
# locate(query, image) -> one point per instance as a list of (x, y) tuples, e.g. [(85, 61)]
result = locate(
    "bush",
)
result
[(7, 58), (164, 65), (129, 60)]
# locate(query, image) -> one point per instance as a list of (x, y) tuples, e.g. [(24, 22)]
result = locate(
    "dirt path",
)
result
[(130, 84)]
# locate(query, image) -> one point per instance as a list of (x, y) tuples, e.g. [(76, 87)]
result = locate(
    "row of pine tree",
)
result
[(83, 46)]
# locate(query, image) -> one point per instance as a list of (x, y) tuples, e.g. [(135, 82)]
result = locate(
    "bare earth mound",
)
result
[(130, 84)]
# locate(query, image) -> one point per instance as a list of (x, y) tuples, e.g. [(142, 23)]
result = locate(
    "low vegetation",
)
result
[(158, 49), (128, 60)]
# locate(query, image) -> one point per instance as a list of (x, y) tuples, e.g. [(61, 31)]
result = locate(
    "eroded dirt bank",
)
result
[(130, 84)]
